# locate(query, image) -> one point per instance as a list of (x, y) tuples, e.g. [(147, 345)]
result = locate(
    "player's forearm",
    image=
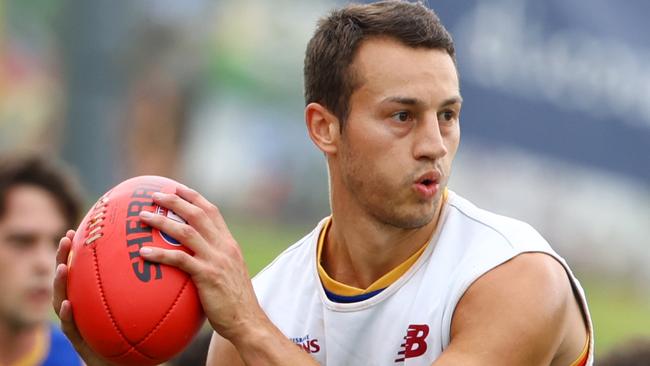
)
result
[(265, 345)]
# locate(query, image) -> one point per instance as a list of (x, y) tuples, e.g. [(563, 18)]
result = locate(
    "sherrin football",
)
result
[(130, 311)]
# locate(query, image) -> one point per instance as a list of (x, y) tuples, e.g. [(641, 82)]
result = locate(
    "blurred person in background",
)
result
[(38, 201), (404, 270), (155, 124), (158, 101)]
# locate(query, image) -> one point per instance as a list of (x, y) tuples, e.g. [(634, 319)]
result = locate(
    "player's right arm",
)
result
[(263, 344), (219, 272)]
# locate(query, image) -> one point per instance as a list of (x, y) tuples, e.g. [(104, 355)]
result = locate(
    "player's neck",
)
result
[(17, 342), (359, 250)]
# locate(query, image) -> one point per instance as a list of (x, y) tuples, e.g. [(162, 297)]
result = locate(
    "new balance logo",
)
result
[(414, 343)]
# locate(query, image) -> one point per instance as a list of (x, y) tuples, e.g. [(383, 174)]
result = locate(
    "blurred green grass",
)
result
[(618, 312), (262, 242)]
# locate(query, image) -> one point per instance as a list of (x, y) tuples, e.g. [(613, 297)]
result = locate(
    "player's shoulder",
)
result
[(475, 221), (543, 270), (61, 351), (504, 296), (507, 286)]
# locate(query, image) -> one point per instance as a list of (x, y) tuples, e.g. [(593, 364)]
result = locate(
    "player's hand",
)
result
[(63, 308), (217, 266)]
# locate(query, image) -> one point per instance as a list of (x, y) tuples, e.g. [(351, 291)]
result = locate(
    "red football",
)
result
[(131, 311)]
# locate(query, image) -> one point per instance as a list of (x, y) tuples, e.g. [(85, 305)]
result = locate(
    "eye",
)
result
[(402, 116), (447, 116), (21, 241)]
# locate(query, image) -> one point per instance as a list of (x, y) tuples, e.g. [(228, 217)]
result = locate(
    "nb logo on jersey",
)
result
[(414, 343)]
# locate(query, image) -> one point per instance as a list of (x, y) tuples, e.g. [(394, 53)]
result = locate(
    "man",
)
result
[(404, 272), (37, 204)]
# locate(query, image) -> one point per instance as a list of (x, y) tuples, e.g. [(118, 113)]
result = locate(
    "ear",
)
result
[(323, 126)]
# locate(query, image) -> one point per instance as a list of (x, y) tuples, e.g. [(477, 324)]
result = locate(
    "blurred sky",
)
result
[(556, 120)]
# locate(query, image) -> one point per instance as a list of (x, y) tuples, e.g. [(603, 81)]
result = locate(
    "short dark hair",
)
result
[(51, 175), (330, 52)]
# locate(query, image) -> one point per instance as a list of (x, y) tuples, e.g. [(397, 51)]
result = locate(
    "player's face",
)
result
[(29, 233), (402, 132)]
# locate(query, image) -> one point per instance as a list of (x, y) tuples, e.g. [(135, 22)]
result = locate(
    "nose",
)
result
[(44, 258), (428, 141)]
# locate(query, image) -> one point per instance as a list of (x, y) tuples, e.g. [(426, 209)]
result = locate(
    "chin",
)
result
[(408, 221), (35, 315), (418, 222)]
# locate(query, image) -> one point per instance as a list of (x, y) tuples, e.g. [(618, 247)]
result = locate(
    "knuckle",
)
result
[(233, 251), (187, 232), (166, 199), (195, 214), (179, 258), (156, 219), (213, 210), (209, 275), (192, 194), (173, 199)]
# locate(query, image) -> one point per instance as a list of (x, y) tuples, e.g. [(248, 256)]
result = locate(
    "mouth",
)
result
[(427, 184), (41, 294), (429, 178)]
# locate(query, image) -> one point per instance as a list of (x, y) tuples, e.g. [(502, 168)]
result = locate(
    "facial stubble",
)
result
[(391, 204)]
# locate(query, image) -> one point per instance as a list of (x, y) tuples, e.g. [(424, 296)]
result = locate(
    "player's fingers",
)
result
[(60, 279), (172, 257), (68, 326), (193, 214), (65, 315), (64, 250), (71, 331), (70, 234), (208, 207), (184, 233)]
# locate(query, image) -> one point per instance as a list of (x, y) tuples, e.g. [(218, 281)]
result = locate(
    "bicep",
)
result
[(222, 352), (513, 315)]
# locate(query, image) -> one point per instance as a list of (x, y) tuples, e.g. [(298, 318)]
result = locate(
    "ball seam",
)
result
[(162, 320), (108, 309), (158, 325)]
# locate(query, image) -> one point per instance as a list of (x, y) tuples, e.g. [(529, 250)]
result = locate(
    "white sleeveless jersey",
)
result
[(409, 322)]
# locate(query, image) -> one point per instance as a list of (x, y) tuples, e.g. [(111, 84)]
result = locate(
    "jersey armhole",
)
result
[(582, 359)]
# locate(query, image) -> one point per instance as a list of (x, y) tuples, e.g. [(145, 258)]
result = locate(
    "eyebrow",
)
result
[(453, 100), (415, 101)]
